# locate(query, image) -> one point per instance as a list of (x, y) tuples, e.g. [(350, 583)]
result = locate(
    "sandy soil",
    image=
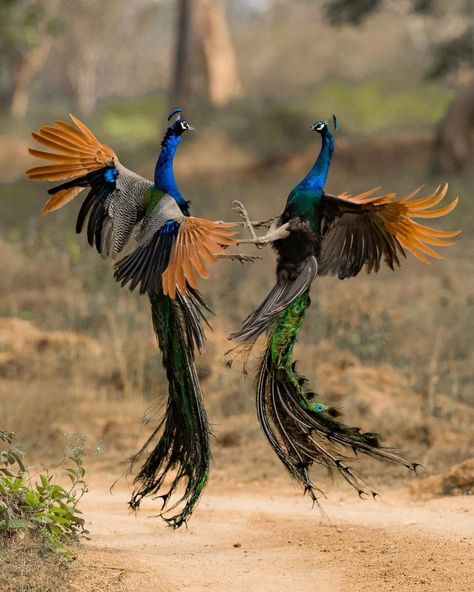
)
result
[(247, 540)]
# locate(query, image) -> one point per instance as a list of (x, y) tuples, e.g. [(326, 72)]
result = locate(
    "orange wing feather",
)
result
[(398, 214), (75, 152), (198, 242)]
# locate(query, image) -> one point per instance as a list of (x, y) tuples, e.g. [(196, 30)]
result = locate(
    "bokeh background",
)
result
[(77, 353)]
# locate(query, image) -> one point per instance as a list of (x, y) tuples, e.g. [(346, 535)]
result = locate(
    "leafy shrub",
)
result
[(40, 504)]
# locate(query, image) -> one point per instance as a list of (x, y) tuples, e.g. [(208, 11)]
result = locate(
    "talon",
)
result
[(239, 257), (242, 212)]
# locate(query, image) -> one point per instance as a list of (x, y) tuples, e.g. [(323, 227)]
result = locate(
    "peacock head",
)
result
[(178, 124), (322, 127)]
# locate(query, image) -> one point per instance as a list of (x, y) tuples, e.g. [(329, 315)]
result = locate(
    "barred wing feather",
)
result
[(362, 230), (116, 200)]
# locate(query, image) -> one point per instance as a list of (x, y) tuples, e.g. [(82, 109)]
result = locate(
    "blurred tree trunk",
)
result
[(454, 143), (32, 60), (204, 55), (29, 65), (182, 82), (82, 71), (94, 29), (223, 82)]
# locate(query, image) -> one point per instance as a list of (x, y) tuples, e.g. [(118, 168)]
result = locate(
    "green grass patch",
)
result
[(132, 120), (380, 104), (372, 107)]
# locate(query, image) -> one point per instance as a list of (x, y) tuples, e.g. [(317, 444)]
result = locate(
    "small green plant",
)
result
[(39, 504)]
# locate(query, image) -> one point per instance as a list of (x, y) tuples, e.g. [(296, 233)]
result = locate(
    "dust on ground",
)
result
[(255, 539)]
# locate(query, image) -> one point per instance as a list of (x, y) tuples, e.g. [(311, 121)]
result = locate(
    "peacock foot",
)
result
[(274, 232)]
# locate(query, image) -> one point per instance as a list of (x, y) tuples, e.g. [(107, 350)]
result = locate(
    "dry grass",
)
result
[(77, 354), (362, 338), (25, 566), (56, 383)]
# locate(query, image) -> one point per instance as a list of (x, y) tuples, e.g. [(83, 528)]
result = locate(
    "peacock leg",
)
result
[(274, 232), (240, 209), (241, 258), (271, 236)]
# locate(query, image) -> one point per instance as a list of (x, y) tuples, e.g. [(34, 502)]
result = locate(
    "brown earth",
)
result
[(457, 480), (252, 530), (99, 381), (254, 540)]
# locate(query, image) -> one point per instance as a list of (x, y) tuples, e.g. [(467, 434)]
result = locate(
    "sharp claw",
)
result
[(242, 212), (239, 257)]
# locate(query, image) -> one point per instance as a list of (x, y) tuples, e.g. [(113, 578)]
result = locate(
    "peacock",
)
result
[(322, 235), (173, 250)]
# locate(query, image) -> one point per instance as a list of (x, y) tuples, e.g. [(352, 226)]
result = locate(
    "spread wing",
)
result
[(173, 251), (115, 202), (362, 230), (199, 243)]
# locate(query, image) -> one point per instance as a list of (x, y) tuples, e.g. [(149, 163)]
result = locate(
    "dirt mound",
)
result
[(21, 341), (345, 380), (457, 480)]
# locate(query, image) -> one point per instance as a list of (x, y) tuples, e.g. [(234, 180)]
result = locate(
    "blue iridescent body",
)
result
[(316, 178), (304, 200), (164, 175)]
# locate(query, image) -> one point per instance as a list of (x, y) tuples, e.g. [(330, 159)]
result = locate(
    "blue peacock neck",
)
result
[(164, 175), (316, 178)]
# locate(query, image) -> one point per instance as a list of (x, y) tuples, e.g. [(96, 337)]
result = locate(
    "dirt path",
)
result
[(248, 541)]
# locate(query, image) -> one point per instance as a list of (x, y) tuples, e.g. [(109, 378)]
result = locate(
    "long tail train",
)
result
[(182, 438), (300, 430)]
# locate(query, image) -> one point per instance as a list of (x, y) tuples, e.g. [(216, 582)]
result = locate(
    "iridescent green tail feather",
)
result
[(181, 455), (300, 430)]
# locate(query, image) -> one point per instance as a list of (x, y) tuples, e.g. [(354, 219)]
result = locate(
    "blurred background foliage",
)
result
[(369, 59), (253, 75)]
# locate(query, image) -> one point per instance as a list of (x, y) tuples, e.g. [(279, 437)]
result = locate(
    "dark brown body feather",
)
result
[(294, 250)]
